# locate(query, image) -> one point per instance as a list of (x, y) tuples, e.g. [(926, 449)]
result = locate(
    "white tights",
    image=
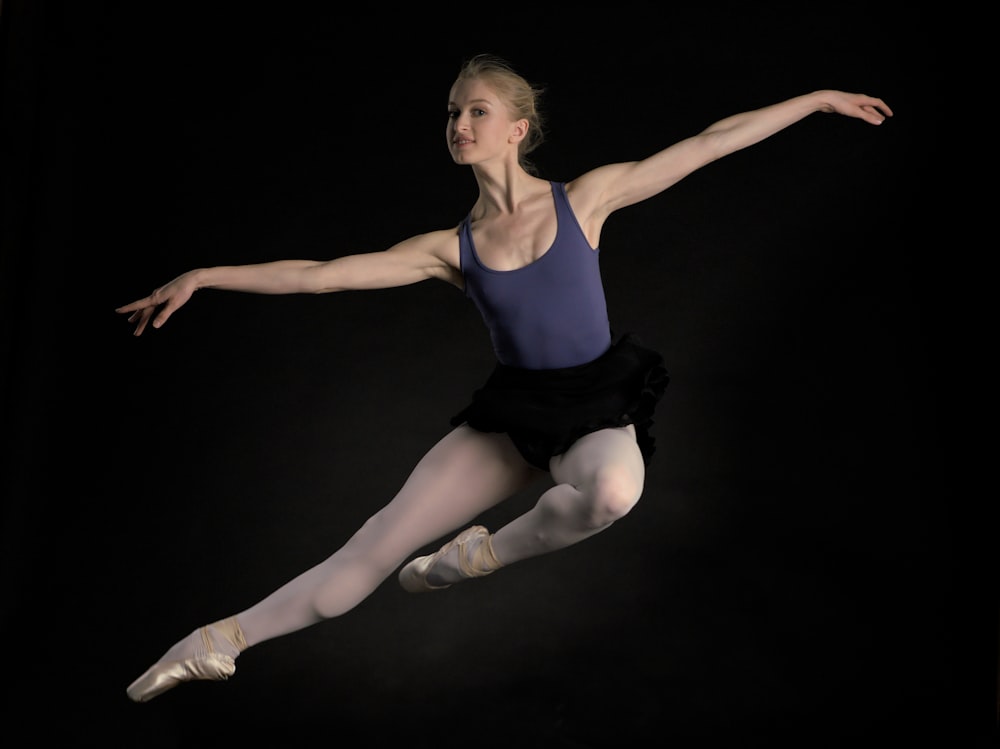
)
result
[(597, 482)]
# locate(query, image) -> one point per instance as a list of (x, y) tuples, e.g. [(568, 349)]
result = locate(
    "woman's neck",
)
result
[(501, 190)]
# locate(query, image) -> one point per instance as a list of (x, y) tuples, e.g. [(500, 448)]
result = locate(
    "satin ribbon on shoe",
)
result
[(481, 562)]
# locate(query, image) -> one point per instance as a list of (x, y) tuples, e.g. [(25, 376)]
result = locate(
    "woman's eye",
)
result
[(454, 114)]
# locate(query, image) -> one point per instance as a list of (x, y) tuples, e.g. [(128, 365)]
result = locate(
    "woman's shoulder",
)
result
[(438, 246)]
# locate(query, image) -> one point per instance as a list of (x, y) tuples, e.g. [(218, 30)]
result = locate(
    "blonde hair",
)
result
[(520, 96)]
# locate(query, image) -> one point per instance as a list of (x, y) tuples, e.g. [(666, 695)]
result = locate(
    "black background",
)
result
[(785, 578)]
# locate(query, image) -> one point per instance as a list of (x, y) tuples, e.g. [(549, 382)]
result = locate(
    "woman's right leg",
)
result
[(464, 474)]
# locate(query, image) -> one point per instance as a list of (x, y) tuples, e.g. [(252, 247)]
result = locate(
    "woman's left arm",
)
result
[(608, 188)]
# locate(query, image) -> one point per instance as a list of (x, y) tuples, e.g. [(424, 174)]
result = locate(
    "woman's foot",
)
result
[(208, 654), (469, 554)]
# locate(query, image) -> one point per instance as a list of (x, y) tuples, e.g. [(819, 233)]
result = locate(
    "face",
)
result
[(479, 124)]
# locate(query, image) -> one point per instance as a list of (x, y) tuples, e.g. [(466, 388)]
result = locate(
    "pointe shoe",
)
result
[(212, 666), (482, 561)]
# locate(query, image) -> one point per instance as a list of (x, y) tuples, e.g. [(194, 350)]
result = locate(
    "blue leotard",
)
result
[(551, 313)]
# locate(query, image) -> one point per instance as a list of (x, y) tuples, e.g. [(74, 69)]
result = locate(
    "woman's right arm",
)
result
[(425, 256)]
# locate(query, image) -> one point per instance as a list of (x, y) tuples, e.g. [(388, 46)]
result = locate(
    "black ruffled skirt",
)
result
[(546, 410)]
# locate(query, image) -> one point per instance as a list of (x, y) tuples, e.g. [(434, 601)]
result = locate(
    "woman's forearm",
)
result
[(741, 130), (277, 277)]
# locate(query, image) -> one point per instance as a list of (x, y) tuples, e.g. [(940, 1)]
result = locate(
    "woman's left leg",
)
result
[(598, 480)]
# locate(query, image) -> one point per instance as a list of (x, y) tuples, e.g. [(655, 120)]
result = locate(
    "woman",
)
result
[(565, 396)]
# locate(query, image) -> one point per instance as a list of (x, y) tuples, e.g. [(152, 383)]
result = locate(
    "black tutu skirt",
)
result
[(546, 410)]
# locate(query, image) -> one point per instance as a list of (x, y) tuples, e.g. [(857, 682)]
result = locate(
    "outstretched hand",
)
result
[(871, 109), (159, 305)]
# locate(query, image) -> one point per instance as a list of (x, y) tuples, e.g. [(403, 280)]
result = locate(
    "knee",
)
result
[(613, 494)]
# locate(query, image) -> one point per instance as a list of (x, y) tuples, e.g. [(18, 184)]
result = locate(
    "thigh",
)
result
[(464, 474), (606, 449)]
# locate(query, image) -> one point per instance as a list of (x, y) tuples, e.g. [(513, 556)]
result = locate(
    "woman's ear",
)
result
[(518, 131)]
